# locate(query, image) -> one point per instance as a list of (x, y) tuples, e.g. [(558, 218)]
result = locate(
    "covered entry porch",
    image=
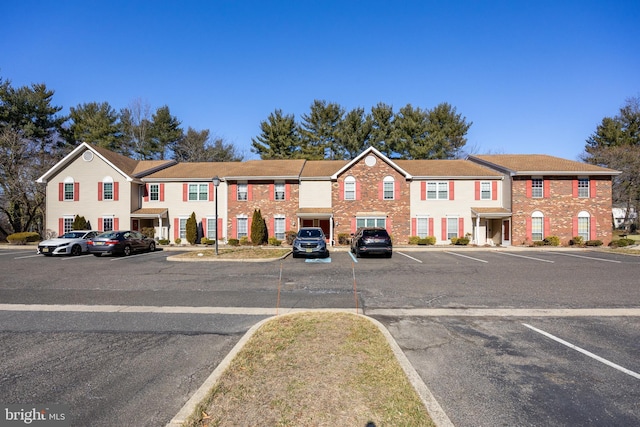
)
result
[(151, 217), (317, 217), (491, 226)]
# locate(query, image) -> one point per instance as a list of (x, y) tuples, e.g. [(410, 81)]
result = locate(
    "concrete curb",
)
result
[(434, 409)]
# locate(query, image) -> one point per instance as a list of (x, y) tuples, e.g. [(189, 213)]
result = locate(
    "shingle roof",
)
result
[(527, 164), (322, 168), (196, 171), (268, 168), (124, 163), (444, 168)]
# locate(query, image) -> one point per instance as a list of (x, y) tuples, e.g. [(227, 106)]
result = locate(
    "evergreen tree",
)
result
[(192, 229), (446, 132), (79, 223), (319, 131), (258, 229), (165, 131), (382, 122), (279, 138), (353, 133), (96, 124)]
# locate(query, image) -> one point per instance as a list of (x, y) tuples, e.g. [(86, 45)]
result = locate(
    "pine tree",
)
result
[(79, 223), (258, 229), (192, 229)]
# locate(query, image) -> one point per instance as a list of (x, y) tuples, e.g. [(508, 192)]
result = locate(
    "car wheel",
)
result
[(390, 254), (126, 251), (294, 255), (152, 247), (76, 250), (97, 254)]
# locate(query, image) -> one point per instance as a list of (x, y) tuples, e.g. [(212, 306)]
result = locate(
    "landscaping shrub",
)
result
[(344, 238), (233, 242), (577, 241), (207, 241), (192, 229), (79, 223), (539, 243), (429, 240), (462, 241), (244, 241), (552, 241), (454, 240), (273, 241), (290, 236), (413, 240), (178, 241), (23, 238), (594, 242), (164, 241), (621, 243), (259, 233)]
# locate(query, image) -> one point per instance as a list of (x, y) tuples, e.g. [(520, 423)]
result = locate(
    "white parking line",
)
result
[(129, 257), (28, 256), (415, 259), (15, 253), (589, 257), (527, 257), (585, 352), (465, 256)]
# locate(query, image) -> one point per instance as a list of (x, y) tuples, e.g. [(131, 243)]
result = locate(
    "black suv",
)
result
[(371, 241)]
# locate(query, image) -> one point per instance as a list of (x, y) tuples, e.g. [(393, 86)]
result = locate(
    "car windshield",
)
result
[(108, 235), (72, 235), (309, 233), (374, 233)]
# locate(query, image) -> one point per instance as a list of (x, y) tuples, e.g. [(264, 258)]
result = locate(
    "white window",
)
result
[(422, 225), (279, 192), (349, 188), (485, 190), (154, 192), (438, 190), (68, 189), (584, 223), (198, 192), (278, 227), (242, 192), (67, 224), (537, 226), (371, 222), (583, 187), (107, 188), (107, 223), (537, 190), (389, 188), (211, 228), (242, 230), (452, 227), (182, 233)]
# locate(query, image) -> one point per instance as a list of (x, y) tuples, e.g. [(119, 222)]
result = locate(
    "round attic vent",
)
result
[(87, 156), (370, 161)]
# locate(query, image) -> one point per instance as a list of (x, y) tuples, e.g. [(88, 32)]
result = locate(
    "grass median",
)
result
[(313, 369)]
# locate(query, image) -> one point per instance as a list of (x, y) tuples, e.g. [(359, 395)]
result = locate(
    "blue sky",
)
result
[(532, 76)]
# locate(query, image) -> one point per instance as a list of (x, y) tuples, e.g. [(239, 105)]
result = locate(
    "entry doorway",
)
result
[(322, 223)]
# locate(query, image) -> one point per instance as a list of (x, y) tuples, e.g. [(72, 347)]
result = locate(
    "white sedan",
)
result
[(71, 243)]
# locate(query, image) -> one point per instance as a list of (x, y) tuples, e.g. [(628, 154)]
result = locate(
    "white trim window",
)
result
[(242, 192), (198, 192), (107, 188), (584, 225), (371, 221), (437, 190), (279, 227), (242, 229), (537, 188), (485, 190), (583, 188), (349, 188), (422, 226), (154, 192), (107, 223), (279, 191), (211, 228), (67, 224), (452, 226), (537, 226), (182, 227), (69, 189), (388, 188)]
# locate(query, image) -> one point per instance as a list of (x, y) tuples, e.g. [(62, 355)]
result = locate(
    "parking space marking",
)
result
[(353, 257), (589, 257), (527, 257), (465, 256), (14, 253), (408, 256), (585, 352), (28, 256), (130, 256)]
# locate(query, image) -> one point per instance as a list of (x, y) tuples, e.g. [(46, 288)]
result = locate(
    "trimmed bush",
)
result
[(454, 240), (178, 241), (192, 229), (622, 243), (413, 240), (594, 242), (428, 241), (290, 236), (273, 241), (244, 241), (344, 238), (79, 223), (207, 241), (164, 241), (462, 241), (23, 238), (233, 242), (577, 241), (259, 232), (552, 241)]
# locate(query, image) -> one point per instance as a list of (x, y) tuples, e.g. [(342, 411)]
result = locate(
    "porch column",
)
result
[(331, 231), (475, 230), (160, 222)]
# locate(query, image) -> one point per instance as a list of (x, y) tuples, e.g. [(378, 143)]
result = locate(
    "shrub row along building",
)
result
[(492, 199)]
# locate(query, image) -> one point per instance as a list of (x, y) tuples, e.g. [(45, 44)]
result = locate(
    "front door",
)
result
[(506, 232), (135, 224)]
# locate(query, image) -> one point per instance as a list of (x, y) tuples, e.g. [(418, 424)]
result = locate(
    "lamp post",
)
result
[(216, 183)]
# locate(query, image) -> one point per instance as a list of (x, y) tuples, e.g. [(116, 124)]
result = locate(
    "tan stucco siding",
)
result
[(315, 194)]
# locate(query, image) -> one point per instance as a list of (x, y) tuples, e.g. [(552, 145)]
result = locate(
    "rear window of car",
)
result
[(375, 233), (108, 235), (309, 233)]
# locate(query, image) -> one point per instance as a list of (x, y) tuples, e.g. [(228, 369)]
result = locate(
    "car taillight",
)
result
[(89, 242), (111, 242)]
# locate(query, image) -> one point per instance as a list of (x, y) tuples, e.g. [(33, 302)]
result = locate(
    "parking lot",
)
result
[(500, 337)]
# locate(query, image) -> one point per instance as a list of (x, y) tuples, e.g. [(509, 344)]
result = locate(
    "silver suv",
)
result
[(310, 241)]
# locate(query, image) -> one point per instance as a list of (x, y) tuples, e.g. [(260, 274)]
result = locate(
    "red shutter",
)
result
[(423, 190), (272, 191), (233, 189), (477, 190), (176, 228), (396, 194), (116, 191), (529, 186), (249, 222), (461, 227), (99, 191), (185, 192), (287, 191), (272, 227), (249, 194), (60, 226), (353, 225), (211, 191), (161, 193), (234, 227), (76, 191), (100, 225), (494, 190), (592, 188), (451, 187), (219, 232), (358, 193), (60, 191), (381, 190), (593, 231), (444, 228), (389, 225), (431, 227), (575, 188), (414, 227), (146, 192), (546, 187), (547, 227), (575, 226), (528, 229), (116, 223), (204, 227), (341, 190)]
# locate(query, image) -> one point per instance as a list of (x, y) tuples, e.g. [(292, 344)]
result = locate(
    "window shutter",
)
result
[(592, 189), (185, 192), (546, 187), (444, 229), (575, 187), (494, 190), (547, 227), (593, 229), (575, 226), (389, 225), (176, 228), (249, 222), (396, 193), (414, 227), (161, 193), (358, 193), (234, 227), (60, 226), (99, 191), (287, 191), (451, 193), (353, 225), (272, 226), (249, 195), (204, 227), (528, 228), (380, 190), (219, 232), (211, 191), (76, 191), (431, 227), (423, 190), (529, 187), (116, 191), (272, 190), (460, 227), (100, 225), (116, 223), (233, 189), (341, 190), (477, 190), (146, 192)]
